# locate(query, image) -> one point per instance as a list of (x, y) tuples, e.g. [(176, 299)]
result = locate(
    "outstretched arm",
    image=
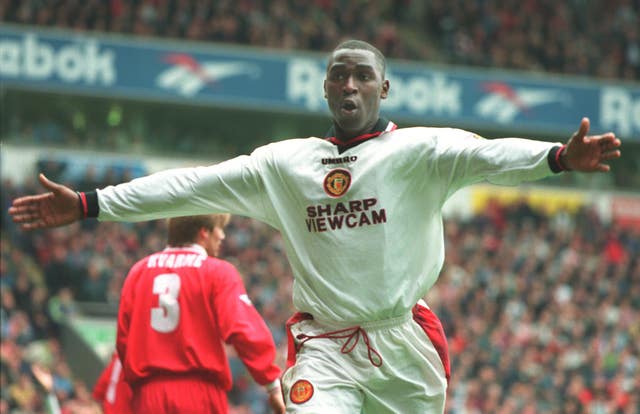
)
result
[(58, 207), (45, 379), (589, 153)]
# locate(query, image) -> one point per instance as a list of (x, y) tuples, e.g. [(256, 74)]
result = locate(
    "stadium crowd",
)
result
[(578, 37), (537, 320)]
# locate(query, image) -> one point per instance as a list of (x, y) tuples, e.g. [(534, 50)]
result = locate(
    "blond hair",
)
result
[(184, 230)]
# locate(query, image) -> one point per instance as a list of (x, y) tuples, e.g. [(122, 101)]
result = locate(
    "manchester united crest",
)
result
[(301, 391), (337, 182)]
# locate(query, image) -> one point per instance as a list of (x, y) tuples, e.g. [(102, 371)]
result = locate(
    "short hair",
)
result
[(362, 45), (184, 230)]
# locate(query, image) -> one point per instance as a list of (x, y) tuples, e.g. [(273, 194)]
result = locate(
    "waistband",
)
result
[(349, 332), (370, 325), (163, 376)]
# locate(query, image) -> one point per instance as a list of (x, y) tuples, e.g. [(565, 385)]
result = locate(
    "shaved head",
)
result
[(361, 45)]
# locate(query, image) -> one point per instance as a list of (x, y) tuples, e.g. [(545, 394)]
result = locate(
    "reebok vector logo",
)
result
[(187, 76), (503, 104)]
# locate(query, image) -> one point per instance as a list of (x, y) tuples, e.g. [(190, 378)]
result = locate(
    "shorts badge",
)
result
[(301, 392), (337, 182)]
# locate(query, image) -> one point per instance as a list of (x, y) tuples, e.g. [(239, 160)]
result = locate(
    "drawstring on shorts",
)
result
[(352, 336)]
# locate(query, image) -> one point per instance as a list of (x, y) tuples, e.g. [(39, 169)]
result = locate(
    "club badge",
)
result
[(337, 182), (301, 392)]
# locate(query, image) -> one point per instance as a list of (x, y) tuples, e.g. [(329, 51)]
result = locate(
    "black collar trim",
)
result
[(383, 125)]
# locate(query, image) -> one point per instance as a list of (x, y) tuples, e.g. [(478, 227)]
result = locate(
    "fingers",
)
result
[(48, 184), (25, 211), (583, 129), (32, 226), (28, 221), (29, 201), (610, 154), (24, 217), (608, 138)]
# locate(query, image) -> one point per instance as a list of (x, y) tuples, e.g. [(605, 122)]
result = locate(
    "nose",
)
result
[(349, 85)]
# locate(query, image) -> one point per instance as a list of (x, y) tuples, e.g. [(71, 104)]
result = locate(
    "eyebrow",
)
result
[(340, 65)]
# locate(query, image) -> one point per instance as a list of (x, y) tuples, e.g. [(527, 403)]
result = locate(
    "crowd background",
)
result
[(578, 37), (542, 311), (593, 39)]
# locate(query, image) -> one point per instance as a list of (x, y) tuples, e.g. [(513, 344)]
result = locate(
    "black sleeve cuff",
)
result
[(553, 159), (92, 204)]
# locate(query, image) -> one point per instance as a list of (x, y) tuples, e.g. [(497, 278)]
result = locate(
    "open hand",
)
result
[(588, 153), (44, 376), (58, 207)]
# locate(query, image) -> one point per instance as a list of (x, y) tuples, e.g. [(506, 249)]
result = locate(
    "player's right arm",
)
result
[(57, 207), (233, 186)]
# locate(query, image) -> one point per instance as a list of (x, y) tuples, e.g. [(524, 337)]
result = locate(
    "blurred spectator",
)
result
[(62, 305)]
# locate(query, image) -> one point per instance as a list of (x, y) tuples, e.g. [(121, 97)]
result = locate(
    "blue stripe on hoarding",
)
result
[(244, 77)]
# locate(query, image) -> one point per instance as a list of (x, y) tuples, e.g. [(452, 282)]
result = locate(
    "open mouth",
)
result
[(348, 106)]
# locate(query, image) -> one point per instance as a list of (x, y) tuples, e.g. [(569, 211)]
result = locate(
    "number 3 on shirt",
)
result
[(165, 317)]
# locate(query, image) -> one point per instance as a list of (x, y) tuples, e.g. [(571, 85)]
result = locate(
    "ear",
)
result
[(203, 234), (324, 87), (385, 89)]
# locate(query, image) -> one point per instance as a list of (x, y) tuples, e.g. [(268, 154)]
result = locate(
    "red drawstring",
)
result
[(352, 335)]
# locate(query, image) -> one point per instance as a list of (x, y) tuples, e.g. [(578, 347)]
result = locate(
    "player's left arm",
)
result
[(463, 159)]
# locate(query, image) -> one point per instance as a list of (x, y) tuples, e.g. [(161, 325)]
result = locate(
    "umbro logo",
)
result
[(341, 160)]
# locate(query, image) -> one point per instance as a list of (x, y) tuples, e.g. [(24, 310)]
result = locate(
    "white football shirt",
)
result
[(362, 227)]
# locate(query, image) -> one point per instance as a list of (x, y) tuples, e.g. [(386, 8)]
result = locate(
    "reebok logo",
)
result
[(82, 61), (503, 103), (187, 76)]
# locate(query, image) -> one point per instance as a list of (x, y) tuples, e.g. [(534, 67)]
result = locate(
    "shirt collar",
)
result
[(196, 248), (383, 125)]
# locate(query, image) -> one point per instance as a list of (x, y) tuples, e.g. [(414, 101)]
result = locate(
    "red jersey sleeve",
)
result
[(125, 308), (242, 326), (102, 383), (111, 391)]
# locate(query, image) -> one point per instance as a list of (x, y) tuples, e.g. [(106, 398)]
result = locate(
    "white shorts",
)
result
[(339, 373)]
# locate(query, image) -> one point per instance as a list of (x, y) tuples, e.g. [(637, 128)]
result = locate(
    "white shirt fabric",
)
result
[(368, 254)]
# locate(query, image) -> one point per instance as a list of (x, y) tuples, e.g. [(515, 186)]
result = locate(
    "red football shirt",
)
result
[(111, 391), (177, 309)]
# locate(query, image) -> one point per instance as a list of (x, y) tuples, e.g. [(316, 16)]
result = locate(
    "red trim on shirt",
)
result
[(559, 159), (360, 138), (83, 203)]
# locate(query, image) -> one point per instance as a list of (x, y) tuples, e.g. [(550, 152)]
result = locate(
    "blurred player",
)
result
[(111, 390), (178, 308), (360, 215)]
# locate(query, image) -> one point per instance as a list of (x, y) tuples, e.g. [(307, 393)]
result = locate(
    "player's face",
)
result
[(353, 89), (216, 236)]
